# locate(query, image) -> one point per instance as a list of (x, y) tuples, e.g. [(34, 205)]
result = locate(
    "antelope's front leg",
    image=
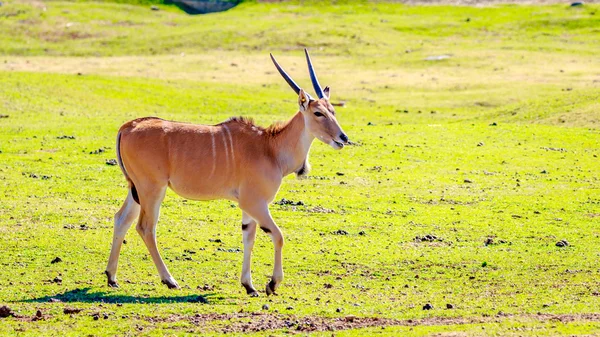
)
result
[(249, 234), (261, 213)]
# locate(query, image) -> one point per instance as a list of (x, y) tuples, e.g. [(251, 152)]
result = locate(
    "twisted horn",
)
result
[(287, 77), (313, 76)]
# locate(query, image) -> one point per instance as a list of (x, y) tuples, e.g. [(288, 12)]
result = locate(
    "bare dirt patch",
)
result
[(257, 322)]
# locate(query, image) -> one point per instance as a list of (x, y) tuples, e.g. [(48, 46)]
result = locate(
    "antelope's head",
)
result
[(319, 115)]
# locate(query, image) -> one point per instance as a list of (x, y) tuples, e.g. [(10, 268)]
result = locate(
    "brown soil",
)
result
[(256, 322)]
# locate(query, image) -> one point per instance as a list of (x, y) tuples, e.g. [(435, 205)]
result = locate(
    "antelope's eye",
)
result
[(318, 114)]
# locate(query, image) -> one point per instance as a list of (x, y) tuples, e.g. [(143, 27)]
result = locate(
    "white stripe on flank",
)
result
[(214, 154), (230, 143), (226, 150)]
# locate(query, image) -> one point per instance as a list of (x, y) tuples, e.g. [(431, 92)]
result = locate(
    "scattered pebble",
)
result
[(289, 308), (340, 173), (362, 233), (480, 144), (38, 314), (68, 311), (339, 310), (56, 260), (328, 285), (449, 306), (265, 307), (468, 181), (154, 8), (427, 306), (427, 238), (562, 243), (100, 150), (340, 232), (6, 312), (4, 116), (111, 162), (285, 201), (65, 137), (95, 317), (57, 280), (105, 316)]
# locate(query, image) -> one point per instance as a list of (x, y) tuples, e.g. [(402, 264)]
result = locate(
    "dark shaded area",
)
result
[(203, 6), (83, 295)]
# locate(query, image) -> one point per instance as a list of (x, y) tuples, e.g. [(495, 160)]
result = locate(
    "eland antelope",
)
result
[(234, 160)]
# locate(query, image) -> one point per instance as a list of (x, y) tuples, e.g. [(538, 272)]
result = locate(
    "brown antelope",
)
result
[(234, 160)]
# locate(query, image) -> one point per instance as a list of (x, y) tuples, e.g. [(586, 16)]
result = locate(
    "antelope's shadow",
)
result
[(84, 295)]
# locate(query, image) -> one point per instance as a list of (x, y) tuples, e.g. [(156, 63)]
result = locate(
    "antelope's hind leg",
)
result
[(249, 234), (123, 220), (146, 227)]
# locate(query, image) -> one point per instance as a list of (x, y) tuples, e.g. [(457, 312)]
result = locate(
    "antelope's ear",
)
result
[(326, 92), (303, 100)]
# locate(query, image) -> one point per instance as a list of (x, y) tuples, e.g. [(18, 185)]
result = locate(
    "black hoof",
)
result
[(270, 288), (112, 284), (250, 290), (170, 284)]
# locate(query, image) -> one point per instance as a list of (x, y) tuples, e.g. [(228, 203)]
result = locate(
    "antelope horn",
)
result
[(313, 76), (287, 77)]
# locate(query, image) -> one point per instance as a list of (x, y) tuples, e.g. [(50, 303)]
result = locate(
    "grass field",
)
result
[(491, 150)]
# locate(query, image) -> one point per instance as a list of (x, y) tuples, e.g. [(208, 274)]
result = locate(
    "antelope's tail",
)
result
[(134, 193)]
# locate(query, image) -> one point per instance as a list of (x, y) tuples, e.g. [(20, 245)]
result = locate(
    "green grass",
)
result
[(515, 110)]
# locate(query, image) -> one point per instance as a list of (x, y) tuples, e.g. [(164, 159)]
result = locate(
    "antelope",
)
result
[(235, 160)]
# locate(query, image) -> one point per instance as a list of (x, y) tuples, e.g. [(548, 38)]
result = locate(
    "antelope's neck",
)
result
[(292, 145)]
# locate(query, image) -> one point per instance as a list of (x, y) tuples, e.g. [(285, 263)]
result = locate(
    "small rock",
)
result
[(111, 162), (370, 123), (489, 241), (480, 144), (68, 311), (4, 116), (449, 306), (105, 316), (468, 181), (544, 172), (38, 314), (56, 260), (96, 317), (154, 8), (494, 124), (350, 318), (289, 308), (362, 233), (5, 312), (340, 173), (57, 280), (328, 286), (54, 300), (265, 307), (340, 232), (427, 306), (339, 310), (562, 243)]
